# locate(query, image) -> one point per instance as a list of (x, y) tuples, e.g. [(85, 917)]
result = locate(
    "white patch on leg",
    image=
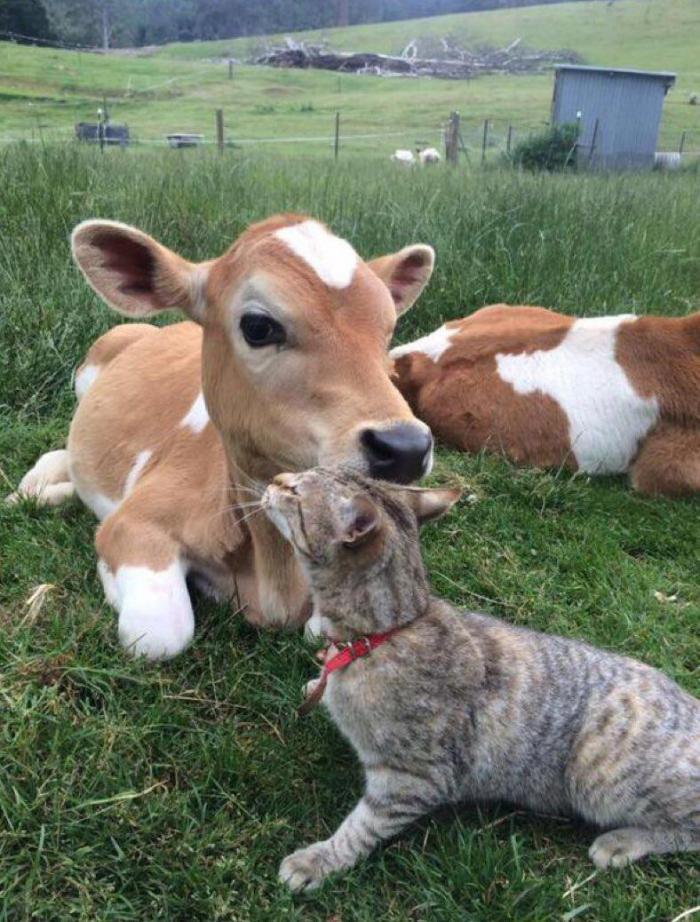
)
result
[(85, 378), (100, 504), (49, 481), (109, 584), (434, 345), (197, 416), (333, 259), (57, 493), (155, 611), (607, 417), (139, 464)]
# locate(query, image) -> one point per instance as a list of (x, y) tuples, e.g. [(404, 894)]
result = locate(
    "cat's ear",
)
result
[(360, 521), (431, 504)]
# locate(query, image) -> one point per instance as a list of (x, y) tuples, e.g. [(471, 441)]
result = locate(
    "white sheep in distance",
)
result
[(403, 156), (429, 155)]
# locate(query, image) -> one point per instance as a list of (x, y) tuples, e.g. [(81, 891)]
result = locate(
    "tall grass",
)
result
[(587, 245), (130, 792)]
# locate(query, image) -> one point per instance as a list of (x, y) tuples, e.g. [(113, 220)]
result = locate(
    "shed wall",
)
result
[(628, 110)]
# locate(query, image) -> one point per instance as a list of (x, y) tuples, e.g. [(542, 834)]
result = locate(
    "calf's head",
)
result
[(295, 333)]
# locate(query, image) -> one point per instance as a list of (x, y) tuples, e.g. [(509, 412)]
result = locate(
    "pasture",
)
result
[(132, 792), (44, 91)]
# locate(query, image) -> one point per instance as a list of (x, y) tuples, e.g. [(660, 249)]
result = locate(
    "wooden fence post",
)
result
[(682, 143), (336, 145), (220, 130), (593, 141), (230, 69), (452, 139), (509, 139), (484, 141)]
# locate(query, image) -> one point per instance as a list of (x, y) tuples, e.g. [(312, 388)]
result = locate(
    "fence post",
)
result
[(593, 140), (484, 141), (682, 143), (336, 145), (509, 138), (101, 129), (452, 139), (220, 130), (230, 69)]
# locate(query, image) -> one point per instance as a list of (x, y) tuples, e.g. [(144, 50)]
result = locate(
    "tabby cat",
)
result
[(454, 705)]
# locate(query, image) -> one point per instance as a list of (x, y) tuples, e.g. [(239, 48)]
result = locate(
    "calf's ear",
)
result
[(135, 274), (405, 273)]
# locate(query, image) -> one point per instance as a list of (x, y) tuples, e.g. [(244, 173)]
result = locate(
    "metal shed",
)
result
[(619, 112)]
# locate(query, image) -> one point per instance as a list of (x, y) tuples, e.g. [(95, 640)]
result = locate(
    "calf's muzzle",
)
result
[(400, 453)]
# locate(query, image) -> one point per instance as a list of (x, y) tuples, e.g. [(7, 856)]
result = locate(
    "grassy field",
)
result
[(43, 92), (172, 792)]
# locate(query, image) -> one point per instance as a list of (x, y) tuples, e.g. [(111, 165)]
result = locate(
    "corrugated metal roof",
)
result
[(666, 75)]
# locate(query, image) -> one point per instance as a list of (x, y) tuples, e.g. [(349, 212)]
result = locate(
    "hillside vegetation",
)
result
[(43, 92)]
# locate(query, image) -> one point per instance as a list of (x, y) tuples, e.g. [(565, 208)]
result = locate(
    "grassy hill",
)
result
[(44, 91)]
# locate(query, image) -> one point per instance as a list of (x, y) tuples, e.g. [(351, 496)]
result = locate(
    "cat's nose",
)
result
[(400, 453), (284, 480)]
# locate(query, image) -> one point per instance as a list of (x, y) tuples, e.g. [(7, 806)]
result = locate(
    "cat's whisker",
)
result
[(253, 486), (235, 506), (250, 515)]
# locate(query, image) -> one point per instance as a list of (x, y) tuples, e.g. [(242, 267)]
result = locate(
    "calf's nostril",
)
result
[(399, 453)]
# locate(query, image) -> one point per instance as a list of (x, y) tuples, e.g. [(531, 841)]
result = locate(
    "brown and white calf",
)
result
[(178, 428), (602, 395)]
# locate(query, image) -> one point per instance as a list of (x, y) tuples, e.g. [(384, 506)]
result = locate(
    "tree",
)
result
[(342, 17), (25, 18)]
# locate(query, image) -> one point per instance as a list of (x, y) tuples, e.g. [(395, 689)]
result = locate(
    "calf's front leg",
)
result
[(143, 574)]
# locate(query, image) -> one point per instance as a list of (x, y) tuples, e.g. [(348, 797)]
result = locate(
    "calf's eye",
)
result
[(259, 329)]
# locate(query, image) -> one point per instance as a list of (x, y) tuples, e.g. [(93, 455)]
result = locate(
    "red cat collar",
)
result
[(363, 646)]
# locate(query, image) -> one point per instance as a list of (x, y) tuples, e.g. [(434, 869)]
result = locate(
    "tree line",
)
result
[(129, 23)]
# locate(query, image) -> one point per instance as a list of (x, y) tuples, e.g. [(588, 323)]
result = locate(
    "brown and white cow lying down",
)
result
[(601, 395), (179, 428)]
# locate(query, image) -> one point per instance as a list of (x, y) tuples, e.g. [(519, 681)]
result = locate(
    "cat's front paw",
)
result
[(307, 868), (619, 847)]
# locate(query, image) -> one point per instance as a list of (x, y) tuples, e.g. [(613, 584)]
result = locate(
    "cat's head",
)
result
[(357, 540)]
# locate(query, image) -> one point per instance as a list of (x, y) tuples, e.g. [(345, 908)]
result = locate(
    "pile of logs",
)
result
[(460, 65)]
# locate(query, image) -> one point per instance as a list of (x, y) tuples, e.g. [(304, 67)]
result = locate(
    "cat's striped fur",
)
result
[(459, 706)]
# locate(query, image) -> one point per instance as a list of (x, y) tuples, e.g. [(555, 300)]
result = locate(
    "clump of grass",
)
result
[(131, 792)]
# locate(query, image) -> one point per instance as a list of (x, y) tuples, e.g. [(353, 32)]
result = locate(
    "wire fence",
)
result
[(477, 141)]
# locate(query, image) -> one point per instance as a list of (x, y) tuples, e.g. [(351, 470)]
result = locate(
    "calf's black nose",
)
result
[(400, 453)]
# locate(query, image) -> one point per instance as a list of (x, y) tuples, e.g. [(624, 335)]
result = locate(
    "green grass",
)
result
[(130, 792), (43, 92)]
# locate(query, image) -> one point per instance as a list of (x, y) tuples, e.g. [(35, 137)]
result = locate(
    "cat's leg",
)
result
[(391, 802), (620, 847)]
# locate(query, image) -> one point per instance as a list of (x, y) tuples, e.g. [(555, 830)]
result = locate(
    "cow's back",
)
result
[(540, 387)]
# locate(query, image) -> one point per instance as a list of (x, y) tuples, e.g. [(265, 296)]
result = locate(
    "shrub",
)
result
[(553, 149)]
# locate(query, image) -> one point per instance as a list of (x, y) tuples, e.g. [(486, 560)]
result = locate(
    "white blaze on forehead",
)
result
[(333, 260), (434, 345), (607, 417), (197, 416)]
